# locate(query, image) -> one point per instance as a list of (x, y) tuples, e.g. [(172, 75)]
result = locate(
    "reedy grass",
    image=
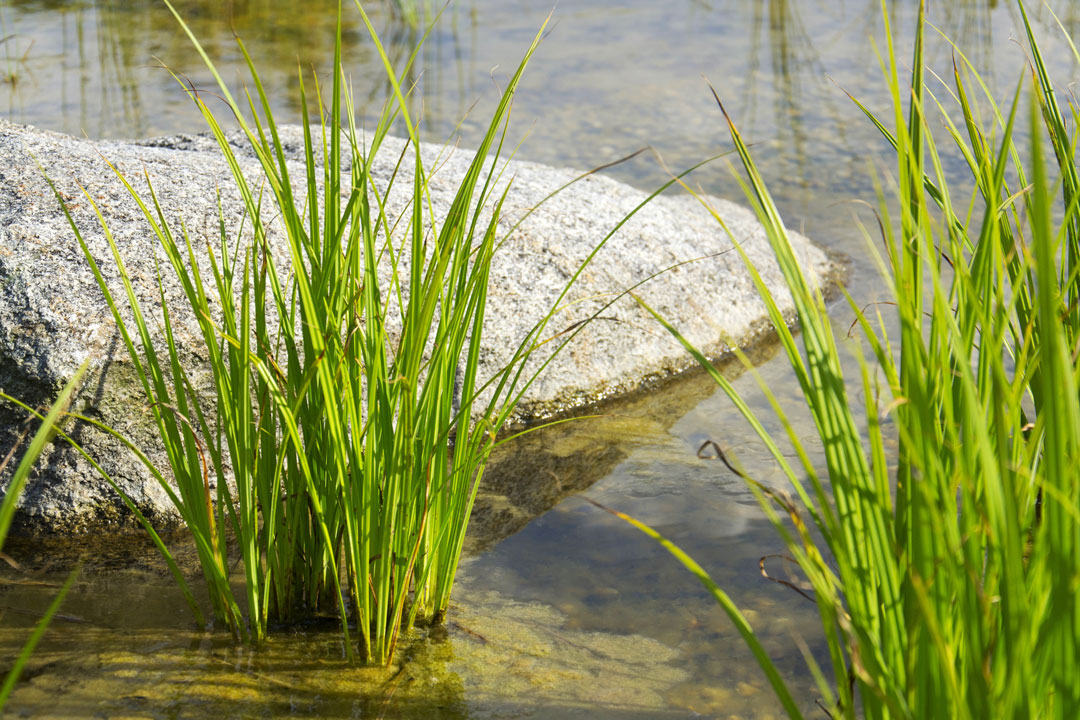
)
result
[(353, 468), (947, 589), (346, 453)]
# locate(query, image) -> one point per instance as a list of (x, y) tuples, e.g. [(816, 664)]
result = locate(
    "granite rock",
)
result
[(53, 315)]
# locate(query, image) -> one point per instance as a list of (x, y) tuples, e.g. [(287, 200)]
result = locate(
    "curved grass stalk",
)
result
[(737, 618), (174, 569), (15, 487)]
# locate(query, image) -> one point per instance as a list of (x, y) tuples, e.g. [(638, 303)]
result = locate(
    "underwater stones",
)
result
[(53, 316)]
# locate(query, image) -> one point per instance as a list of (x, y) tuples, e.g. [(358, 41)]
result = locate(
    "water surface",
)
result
[(561, 610)]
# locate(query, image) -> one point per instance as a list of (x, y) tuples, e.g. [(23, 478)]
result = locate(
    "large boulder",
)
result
[(53, 316)]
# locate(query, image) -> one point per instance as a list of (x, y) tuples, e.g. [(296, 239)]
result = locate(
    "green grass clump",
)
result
[(947, 587), (345, 470)]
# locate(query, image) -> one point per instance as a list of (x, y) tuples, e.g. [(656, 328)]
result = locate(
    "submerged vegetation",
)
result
[(946, 583)]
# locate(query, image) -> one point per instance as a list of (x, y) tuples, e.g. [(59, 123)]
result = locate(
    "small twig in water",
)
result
[(787, 583)]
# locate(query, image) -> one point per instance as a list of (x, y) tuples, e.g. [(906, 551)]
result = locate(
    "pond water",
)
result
[(561, 610)]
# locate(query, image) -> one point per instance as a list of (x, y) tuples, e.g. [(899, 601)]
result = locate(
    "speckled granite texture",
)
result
[(53, 316)]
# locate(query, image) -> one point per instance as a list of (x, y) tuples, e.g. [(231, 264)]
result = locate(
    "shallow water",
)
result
[(501, 655), (574, 614), (561, 610)]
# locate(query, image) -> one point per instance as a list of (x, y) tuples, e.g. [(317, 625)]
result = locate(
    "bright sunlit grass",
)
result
[(354, 449), (950, 587)]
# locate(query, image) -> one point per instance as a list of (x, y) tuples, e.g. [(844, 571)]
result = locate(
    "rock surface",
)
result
[(53, 315)]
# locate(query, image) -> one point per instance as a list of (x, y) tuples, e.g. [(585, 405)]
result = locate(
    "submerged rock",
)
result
[(53, 315)]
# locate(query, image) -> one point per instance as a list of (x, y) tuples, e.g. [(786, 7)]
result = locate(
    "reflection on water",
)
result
[(571, 612), (96, 66), (529, 476), (611, 76)]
